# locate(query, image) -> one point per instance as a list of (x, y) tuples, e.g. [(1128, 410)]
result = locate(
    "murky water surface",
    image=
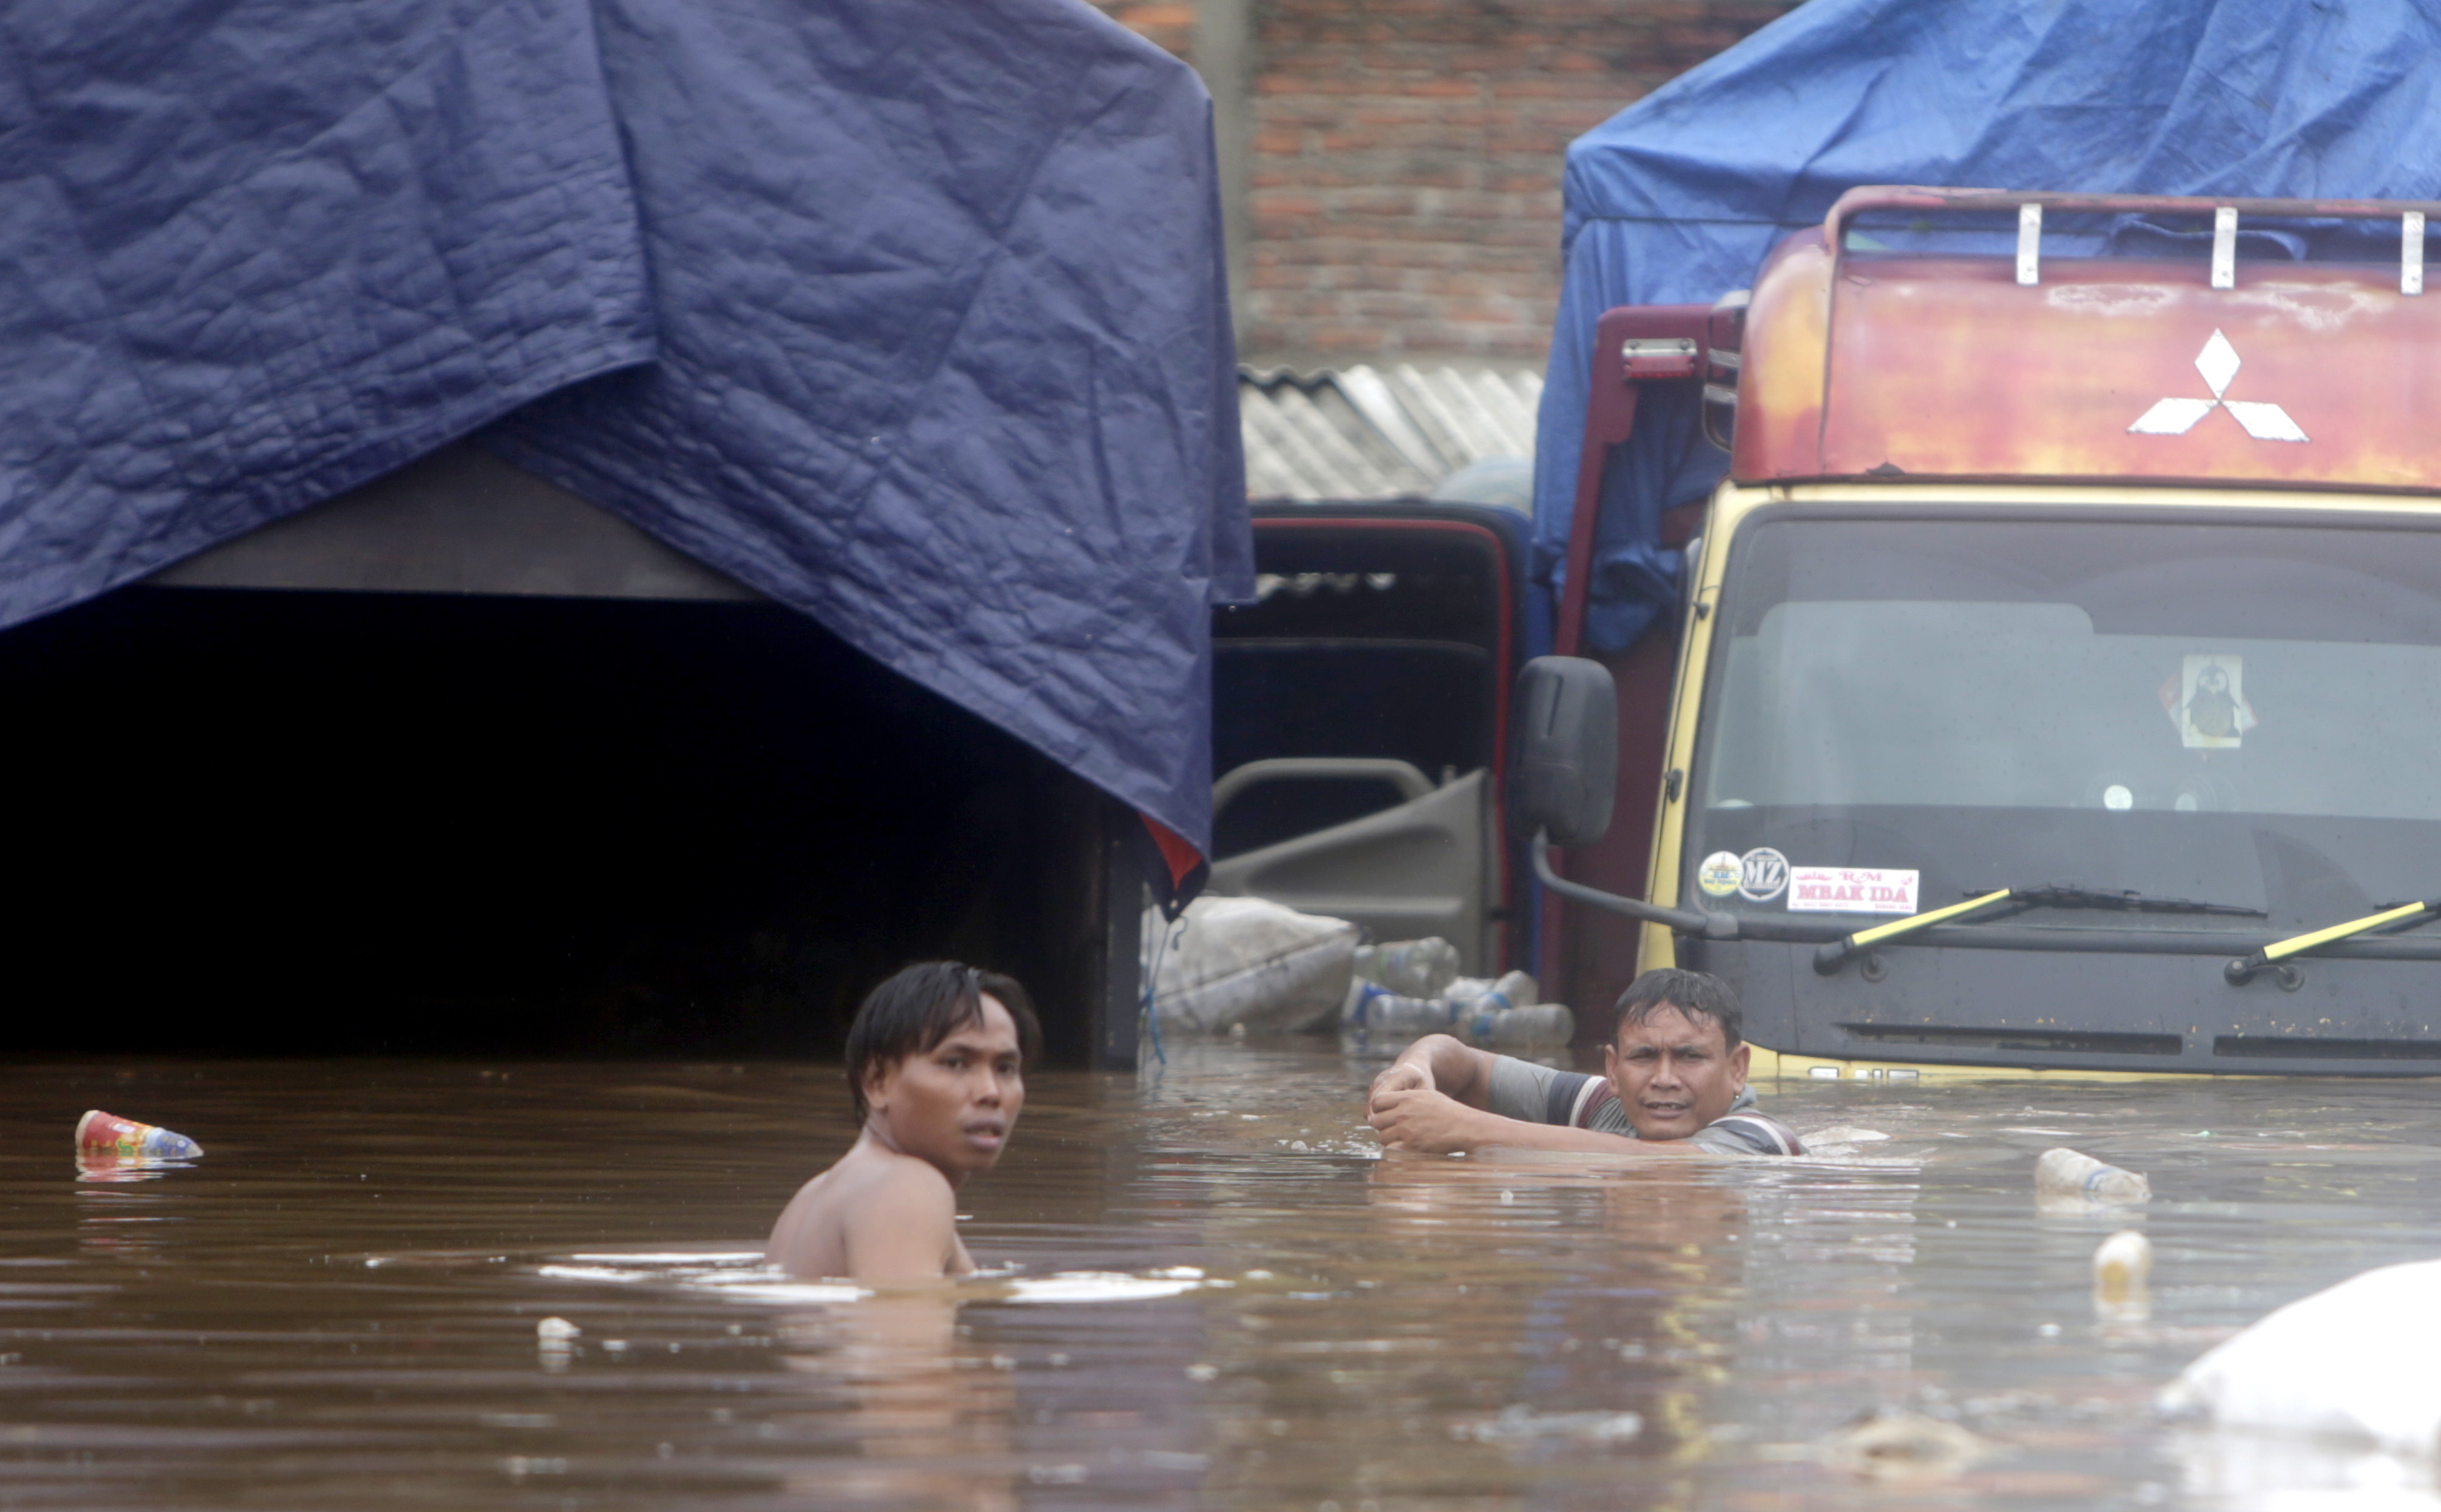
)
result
[(337, 1308)]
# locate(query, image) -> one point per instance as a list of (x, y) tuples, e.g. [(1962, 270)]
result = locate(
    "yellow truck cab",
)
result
[(2060, 681)]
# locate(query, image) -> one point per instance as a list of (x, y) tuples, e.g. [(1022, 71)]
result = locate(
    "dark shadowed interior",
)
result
[(258, 822)]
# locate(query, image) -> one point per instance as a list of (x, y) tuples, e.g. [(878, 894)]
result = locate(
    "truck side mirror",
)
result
[(1564, 764)]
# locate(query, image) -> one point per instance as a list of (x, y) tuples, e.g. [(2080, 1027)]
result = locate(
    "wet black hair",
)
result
[(923, 1005), (1699, 994)]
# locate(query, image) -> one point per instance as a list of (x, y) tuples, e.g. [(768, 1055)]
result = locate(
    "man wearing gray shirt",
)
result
[(1674, 1080)]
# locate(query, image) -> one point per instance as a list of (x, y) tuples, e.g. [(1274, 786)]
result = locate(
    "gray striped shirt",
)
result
[(1540, 1094)]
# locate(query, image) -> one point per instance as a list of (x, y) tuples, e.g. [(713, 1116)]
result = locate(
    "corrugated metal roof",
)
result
[(1362, 432)]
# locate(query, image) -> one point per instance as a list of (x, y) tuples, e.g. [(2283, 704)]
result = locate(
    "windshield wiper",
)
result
[(2067, 895), (2244, 969), (2048, 895)]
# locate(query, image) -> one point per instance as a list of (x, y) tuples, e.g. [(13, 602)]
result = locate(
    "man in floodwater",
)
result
[(1674, 1080), (936, 1064)]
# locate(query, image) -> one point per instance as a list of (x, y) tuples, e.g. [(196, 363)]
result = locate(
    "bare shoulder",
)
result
[(874, 1215), (905, 1189), (805, 1242)]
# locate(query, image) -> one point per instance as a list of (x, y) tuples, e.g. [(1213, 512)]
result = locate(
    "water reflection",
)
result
[(118, 1168), (928, 1418), (115, 1221)]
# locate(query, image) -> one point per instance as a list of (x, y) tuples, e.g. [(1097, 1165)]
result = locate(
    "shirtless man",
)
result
[(1674, 1082), (936, 1062)]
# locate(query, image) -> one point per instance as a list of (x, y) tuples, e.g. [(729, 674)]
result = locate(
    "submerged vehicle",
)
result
[(2056, 687)]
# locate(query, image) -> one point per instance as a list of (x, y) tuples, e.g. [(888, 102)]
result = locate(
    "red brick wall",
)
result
[(1404, 175)]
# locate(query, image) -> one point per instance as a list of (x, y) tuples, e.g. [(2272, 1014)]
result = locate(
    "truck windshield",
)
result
[(1903, 712)]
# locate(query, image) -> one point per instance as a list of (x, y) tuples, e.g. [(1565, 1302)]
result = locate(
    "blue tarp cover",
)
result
[(909, 314), (1677, 199)]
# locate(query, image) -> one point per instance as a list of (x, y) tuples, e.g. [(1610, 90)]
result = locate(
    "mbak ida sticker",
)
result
[(1850, 890)]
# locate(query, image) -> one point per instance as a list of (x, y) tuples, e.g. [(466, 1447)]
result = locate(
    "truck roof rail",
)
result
[(2030, 207)]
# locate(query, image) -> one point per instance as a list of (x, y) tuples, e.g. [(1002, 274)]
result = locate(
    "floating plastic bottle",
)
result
[(1536, 1024), (1515, 990), (2063, 1173), (108, 1137), (1385, 1019), (2123, 1268), (1377, 1015), (1412, 968)]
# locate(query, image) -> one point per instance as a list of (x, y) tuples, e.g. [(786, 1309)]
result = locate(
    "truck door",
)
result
[(1420, 867), (1360, 713)]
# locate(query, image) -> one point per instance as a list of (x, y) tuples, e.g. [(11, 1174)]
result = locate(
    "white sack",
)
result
[(2355, 1362), (1244, 961)]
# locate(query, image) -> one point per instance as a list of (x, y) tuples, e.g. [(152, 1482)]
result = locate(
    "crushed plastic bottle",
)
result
[(108, 1137), (2066, 1174), (1412, 968)]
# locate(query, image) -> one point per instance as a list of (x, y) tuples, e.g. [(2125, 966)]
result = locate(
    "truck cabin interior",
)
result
[(553, 820), (1384, 636)]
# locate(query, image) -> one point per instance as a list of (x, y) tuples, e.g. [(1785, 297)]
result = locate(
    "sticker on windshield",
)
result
[(2207, 701), (1719, 874), (1850, 890), (1762, 873)]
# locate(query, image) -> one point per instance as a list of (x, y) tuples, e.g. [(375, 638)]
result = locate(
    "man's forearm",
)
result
[(1494, 1132)]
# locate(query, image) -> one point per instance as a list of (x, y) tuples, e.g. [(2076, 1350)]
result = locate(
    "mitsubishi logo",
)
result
[(2218, 363)]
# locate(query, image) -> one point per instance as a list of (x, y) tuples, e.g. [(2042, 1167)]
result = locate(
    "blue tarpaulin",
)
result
[(909, 314), (1677, 199)]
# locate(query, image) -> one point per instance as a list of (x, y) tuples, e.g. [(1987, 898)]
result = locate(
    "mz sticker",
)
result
[(1762, 874)]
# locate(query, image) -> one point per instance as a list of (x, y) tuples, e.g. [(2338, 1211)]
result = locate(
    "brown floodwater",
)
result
[(1217, 1295)]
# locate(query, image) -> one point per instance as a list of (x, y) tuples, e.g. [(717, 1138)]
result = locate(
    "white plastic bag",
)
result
[(1244, 961)]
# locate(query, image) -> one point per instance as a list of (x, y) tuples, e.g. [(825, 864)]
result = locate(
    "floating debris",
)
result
[(2350, 1363), (1888, 1444), (1516, 1424), (556, 1343), (1091, 1286), (108, 1137), (1843, 1134), (2123, 1270), (2065, 1176)]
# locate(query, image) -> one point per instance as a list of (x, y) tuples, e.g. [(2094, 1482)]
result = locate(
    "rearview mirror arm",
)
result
[(1702, 925), (1708, 926)]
